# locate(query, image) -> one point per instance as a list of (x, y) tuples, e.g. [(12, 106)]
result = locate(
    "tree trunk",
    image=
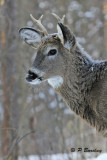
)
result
[(9, 80), (105, 24)]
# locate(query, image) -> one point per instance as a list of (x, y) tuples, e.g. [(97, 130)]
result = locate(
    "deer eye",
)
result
[(52, 52)]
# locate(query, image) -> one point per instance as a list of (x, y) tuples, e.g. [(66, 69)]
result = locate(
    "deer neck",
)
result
[(77, 82)]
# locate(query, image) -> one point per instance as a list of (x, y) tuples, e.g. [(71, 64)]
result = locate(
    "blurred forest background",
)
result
[(33, 119)]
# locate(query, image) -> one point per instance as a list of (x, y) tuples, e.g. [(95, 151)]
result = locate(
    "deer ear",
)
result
[(31, 36), (67, 38)]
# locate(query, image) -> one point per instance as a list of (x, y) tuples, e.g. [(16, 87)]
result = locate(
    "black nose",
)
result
[(31, 76)]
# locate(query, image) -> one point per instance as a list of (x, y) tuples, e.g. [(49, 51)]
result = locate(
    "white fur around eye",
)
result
[(52, 57), (51, 48)]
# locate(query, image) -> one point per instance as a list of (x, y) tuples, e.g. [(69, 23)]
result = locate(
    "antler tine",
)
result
[(38, 22), (58, 18)]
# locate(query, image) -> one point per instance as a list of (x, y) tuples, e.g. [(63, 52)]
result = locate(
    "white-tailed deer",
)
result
[(81, 81)]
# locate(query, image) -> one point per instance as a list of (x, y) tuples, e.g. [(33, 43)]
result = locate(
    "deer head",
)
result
[(53, 50)]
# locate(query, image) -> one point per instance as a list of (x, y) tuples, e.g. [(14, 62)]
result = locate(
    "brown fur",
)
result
[(84, 87)]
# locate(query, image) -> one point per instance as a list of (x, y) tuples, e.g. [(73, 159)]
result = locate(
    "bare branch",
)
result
[(16, 141)]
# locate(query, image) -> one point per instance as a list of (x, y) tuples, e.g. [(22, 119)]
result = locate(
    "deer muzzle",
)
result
[(32, 76)]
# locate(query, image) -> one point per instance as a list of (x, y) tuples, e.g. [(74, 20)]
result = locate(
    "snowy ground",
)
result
[(73, 156), (102, 156)]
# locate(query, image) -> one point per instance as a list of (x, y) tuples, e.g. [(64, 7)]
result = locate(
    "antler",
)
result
[(60, 34), (38, 22), (58, 18)]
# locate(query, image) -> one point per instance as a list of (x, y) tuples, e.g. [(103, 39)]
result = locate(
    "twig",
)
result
[(15, 143)]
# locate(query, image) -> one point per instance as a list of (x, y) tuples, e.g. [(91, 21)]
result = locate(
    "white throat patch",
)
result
[(55, 82)]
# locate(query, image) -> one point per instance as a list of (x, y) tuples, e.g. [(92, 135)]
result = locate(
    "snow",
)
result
[(32, 157), (50, 25), (53, 104), (43, 4), (81, 40), (30, 23), (59, 156), (39, 108), (89, 14), (49, 157), (67, 111), (102, 156), (51, 91), (74, 5), (65, 156), (29, 98), (42, 95)]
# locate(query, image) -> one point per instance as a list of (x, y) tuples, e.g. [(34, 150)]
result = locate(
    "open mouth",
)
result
[(33, 78)]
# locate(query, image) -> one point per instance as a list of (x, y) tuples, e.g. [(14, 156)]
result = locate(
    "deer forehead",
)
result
[(50, 39)]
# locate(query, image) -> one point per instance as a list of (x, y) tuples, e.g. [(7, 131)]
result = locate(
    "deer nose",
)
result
[(31, 76)]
